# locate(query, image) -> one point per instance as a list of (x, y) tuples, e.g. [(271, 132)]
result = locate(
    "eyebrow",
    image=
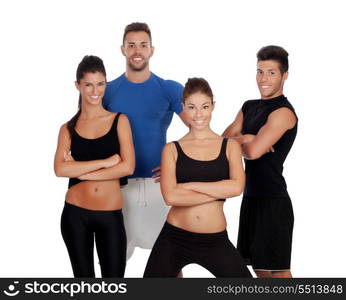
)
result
[(136, 43), (202, 104), (259, 69)]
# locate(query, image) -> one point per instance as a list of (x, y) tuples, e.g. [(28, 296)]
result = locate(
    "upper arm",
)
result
[(168, 166), (236, 168), (236, 126), (64, 145), (175, 95), (125, 140), (278, 122)]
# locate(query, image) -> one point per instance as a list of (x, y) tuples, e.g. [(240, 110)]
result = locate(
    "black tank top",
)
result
[(83, 149), (264, 175), (192, 170)]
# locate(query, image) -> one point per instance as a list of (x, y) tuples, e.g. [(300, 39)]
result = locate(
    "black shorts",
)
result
[(176, 248), (265, 232)]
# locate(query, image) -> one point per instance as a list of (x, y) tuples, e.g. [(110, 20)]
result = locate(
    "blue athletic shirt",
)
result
[(149, 106)]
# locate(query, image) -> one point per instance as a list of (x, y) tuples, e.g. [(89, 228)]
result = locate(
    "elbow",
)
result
[(130, 169), (58, 172), (251, 154), (169, 201), (238, 190), (169, 198)]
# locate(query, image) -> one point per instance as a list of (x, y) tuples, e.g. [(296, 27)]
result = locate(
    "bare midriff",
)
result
[(96, 195), (204, 218)]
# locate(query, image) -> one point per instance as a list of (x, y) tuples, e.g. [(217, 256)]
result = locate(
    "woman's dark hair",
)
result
[(89, 64), (276, 53), (195, 85)]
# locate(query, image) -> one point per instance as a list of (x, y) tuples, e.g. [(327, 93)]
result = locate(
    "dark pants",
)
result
[(176, 248), (79, 227)]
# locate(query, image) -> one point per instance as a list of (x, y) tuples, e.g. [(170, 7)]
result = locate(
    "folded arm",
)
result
[(224, 188), (71, 168), (174, 194), (278, 122), (126, 165)]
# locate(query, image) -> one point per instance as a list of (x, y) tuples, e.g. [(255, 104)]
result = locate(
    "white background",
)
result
[(42, 43)]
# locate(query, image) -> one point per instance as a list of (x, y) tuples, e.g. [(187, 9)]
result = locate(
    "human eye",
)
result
[(259, 72), (190, 107), (205, 106)]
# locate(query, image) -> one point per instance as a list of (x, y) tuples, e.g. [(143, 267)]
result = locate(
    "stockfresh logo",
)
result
[(11, 290)]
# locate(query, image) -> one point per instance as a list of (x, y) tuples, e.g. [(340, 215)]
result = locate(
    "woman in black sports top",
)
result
[(94, 150), (197, 173)]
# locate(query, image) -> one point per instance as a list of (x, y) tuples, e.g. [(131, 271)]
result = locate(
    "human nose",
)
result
[(198, 112), (263, 77)]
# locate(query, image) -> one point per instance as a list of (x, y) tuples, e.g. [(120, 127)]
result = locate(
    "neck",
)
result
[(203, 134), (91, 111), (273, 96), (137, 76)]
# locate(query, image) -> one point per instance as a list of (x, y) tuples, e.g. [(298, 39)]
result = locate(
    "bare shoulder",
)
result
[(233, 144), (169, 150), (123, 120), (283, 116), (64, 129), (169, 147)]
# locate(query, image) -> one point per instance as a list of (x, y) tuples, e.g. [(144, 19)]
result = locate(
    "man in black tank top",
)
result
[(266, 129)]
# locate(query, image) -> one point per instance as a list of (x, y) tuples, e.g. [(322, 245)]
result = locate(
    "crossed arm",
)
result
[(112, 167), (196, 193), (254, 146)]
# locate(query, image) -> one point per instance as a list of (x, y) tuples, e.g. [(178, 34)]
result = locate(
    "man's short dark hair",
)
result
[(135, 27), (276, 53)]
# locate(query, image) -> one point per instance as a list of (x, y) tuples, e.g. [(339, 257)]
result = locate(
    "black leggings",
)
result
[(176, 248), (78, 228)]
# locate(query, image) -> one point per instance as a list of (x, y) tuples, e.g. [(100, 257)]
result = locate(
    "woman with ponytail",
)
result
[(95, 151), (198, 173)]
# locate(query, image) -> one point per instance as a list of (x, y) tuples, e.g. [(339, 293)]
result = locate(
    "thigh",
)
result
[(247, 228), (272, 247), (79, 240), (223, 260), (153, 214), (131, 210), (163, 260), (110, 240)]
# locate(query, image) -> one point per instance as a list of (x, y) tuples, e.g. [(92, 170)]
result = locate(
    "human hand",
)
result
[(157, 174), (68, 156), (271, 149), (112, 161), (247, 138)]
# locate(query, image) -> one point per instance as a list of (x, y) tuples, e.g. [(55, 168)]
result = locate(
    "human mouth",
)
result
[(137, 59), (199, 122)]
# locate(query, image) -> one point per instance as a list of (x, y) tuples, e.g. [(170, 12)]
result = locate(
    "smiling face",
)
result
[(92, 88), (269, 79), (198, 108), (137, 49)]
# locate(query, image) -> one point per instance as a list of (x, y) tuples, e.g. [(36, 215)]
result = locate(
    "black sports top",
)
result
[(264, 175), (192, 170), (83, 149)]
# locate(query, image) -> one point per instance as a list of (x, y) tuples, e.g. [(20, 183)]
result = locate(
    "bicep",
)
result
[(236, 168), (125, 139), (277, 124), (63, 146), (236, 126), (168, 167)]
